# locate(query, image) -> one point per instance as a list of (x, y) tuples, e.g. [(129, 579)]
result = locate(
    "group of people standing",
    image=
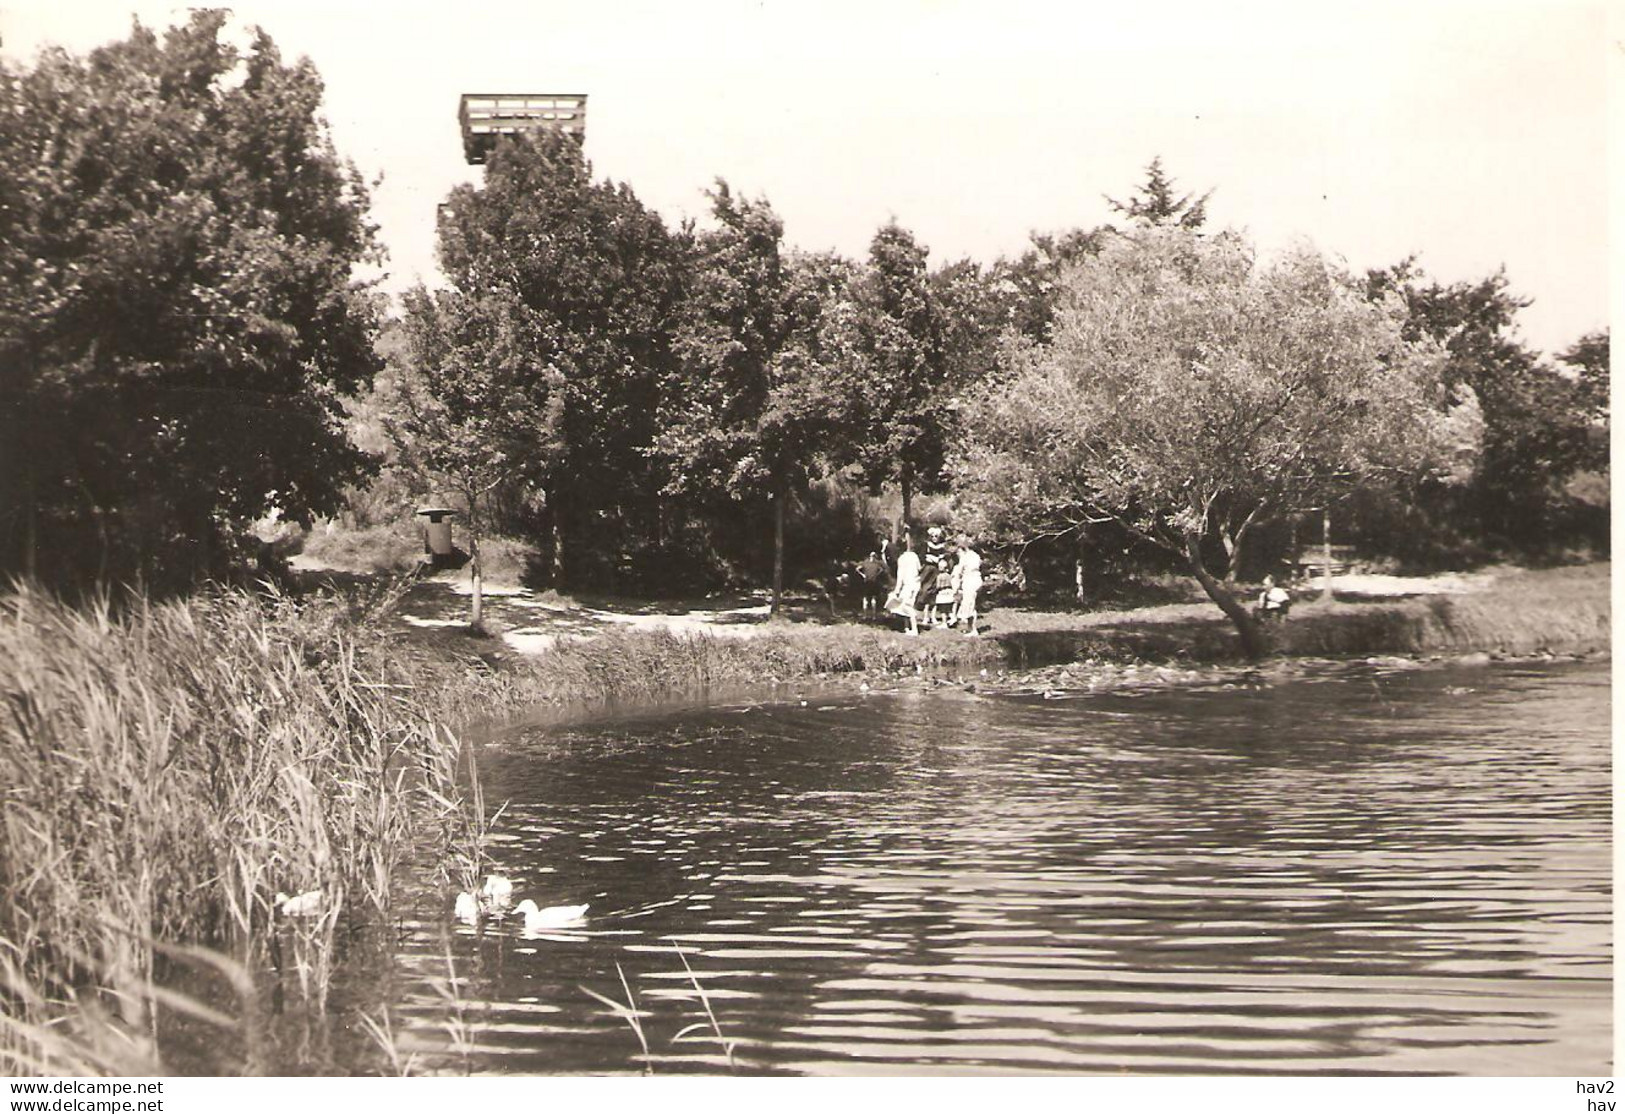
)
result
[(936, 583)]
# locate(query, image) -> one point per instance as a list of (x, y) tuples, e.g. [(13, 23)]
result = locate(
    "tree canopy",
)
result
[(750, 411), (1538, 424), (1190, 392), (177, 313), (894, 390), (1159, 205), (601, 279)]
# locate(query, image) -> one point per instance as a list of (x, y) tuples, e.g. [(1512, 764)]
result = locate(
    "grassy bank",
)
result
[(167, 772), (1565, 610), (1521, 612), (397, 547), (653, 664), (1562, 610)]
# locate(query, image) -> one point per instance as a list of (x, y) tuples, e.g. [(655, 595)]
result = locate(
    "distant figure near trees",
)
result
[(1274, 601)]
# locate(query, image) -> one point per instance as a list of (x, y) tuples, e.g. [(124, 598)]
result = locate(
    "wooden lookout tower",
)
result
[(485, 116)]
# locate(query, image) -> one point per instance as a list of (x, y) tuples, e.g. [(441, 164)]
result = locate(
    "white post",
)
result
[(1326, 552)]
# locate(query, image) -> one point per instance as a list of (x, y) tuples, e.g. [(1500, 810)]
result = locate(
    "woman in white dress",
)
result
[(968, 572), (908, 586)]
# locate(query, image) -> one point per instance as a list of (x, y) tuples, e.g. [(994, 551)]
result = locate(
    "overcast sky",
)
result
[(1472, 134)]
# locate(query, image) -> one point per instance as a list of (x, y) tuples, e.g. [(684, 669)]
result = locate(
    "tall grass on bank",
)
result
[(167, 769)]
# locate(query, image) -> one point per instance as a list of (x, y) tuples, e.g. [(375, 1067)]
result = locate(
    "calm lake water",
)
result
[(1369, 872)]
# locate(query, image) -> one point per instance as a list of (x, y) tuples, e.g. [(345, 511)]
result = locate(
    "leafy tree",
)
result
[(1029, 285), (749, 408), (1190, 394), (1588, 358), (969, 306), (1537, 423), (476, 405), (602, 278), (177, 315), (1025, 289), (1159, 204), (894, 393)]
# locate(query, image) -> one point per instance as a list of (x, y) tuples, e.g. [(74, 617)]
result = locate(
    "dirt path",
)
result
[(529, 622)]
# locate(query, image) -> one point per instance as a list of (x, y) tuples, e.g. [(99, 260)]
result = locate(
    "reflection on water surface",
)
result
[(1402, 871)]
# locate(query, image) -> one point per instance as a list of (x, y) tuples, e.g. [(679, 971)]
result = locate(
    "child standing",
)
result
[(871, 583)]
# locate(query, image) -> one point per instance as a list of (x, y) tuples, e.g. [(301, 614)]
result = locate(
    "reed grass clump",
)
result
[(168, 769)]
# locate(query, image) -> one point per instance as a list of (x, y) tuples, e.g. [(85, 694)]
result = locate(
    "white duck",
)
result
[(307, 904), (498, 891), (554, 916), (492, 900)]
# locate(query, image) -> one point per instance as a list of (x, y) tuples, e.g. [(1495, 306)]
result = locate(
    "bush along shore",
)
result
[(174, 773), (218, 794)]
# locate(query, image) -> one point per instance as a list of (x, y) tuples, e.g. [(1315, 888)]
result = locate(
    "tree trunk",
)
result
[(1252, 639), (906, 481), (1229, 555), (779, 499)]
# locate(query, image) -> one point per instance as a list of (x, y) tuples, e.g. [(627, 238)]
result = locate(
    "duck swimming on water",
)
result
[(498, 891), (492, 900), (554, 916)]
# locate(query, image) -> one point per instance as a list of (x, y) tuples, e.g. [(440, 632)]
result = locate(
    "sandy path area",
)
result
[(531, 622)]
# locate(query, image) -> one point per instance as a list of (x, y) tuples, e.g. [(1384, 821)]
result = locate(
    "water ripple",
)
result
[(1404, 872)]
